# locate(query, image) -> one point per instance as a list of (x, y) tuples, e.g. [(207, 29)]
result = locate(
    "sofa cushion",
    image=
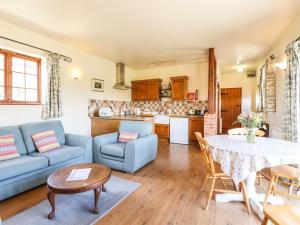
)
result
[(28, 129), (117, 150), (8, 149), (25, 164), (45, 141), (142, 127), (15, 130), (61, 154)]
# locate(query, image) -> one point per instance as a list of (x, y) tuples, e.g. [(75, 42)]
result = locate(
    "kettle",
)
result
[(137, 111)]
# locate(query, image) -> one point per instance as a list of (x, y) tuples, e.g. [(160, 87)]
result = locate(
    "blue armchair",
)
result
[(131, 156)]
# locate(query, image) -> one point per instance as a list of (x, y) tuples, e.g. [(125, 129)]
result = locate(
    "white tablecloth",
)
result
[(238, 158)]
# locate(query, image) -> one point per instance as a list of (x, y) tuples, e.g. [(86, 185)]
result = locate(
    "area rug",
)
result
[(76, 209)]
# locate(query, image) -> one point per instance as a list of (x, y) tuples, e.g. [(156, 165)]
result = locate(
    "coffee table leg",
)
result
[(97, 193), (51, 198), (104, 188)]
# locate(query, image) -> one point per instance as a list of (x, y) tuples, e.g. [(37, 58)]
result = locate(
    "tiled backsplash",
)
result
[(170, 107)]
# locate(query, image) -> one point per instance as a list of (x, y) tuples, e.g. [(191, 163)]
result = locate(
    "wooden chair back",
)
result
[(242, 131), (204, 147), (237, 131)]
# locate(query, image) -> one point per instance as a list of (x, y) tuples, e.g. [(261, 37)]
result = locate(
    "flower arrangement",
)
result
[(250, 120)]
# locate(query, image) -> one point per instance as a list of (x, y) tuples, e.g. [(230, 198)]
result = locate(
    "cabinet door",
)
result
[(178, 89), (139, 91), (195, 125), (153, 89), (162, 130)]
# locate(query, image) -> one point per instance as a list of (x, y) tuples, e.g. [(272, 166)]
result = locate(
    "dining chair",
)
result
[(288, 172), (243, 131), (215, 175), (281, 215)]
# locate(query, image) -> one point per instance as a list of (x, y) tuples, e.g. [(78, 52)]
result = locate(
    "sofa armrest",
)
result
[(76, 140), (140, 152)]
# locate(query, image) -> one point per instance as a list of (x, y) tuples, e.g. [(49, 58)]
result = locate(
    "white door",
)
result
[(179, 130)]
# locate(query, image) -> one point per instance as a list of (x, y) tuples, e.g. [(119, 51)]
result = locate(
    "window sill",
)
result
[(20, 103)]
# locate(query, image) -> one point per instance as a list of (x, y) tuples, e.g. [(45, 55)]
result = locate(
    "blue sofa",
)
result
[(33, 168), (131, 156)]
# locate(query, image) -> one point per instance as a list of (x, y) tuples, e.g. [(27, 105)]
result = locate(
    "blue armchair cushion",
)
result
[(61, 154), (19, 166), (28, 129), (117, 150), (143, 128), (15, 130)]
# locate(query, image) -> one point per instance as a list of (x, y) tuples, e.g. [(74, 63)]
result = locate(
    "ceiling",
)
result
[(143, 33)]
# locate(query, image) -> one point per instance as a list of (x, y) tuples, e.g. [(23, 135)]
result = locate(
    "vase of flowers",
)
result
[(251, 122)]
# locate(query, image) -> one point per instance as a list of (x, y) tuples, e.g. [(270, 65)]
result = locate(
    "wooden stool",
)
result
[(281, 215)]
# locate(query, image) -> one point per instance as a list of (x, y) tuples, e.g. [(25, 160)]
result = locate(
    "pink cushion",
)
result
[(8, 149), (126, 136), (45, 141)]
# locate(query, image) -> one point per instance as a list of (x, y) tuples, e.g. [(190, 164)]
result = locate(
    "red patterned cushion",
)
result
[(45, 141), (8, 149), (126, 136)]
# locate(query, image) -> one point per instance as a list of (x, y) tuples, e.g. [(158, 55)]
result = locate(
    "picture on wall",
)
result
[(97, 84)]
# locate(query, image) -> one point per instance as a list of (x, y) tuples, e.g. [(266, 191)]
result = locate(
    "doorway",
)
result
[(231, 107)]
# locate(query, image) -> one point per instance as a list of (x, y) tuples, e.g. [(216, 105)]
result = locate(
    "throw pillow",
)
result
[(8, 149), (126, 136), (45, 141)]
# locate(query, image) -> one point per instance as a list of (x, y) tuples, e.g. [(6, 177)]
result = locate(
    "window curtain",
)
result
[(270, 86), (291, 109), (262, 88), (53, 106)]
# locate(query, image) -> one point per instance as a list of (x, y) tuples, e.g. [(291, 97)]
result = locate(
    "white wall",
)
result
[(248, 85), (290, 34), (198, 76), (75, 93)]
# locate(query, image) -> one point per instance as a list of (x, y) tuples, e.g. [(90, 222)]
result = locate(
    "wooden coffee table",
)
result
[(57, 183)]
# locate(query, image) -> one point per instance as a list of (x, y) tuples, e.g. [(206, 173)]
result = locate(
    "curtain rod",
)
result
[(66, 58)]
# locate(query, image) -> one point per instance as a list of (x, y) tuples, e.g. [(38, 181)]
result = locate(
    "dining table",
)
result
[(242, 160)]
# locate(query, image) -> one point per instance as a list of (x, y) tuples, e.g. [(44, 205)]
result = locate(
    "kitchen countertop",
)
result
[(142, 118), (130, 117)]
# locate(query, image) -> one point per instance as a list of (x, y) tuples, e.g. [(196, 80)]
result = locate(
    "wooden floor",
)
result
[(169, 195)]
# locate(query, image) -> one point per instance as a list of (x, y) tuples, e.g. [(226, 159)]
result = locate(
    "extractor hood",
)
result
[(120, 77)]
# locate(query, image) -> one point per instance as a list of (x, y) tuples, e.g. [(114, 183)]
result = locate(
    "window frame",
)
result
[(8, 55)]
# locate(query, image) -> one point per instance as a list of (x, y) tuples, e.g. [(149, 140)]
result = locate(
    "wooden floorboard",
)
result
[(169, 195)]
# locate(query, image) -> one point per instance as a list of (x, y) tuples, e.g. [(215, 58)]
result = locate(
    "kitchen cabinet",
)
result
[(179, 86), (139, 91), (196, 124), (146, 90), (162, 130)]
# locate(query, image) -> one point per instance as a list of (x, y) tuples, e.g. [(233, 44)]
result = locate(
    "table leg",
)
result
[(51, 198), (97, 193)]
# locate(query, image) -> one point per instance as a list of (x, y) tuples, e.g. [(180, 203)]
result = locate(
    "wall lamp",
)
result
[(76, 74)]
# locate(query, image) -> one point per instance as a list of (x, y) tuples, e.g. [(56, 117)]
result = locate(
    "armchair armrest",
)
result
[(106, 139), (76, 140), (140, 152)]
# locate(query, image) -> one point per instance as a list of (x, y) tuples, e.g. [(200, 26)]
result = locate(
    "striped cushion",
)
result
[(8, 149), (45, 141), (126, 136)]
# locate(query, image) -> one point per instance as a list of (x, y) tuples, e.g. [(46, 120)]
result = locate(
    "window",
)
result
[(20, 78)]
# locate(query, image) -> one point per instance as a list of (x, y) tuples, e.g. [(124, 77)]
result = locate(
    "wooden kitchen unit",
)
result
[(106, 125), (196, 124), (179, 86), (162, 130), (146, 90)]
